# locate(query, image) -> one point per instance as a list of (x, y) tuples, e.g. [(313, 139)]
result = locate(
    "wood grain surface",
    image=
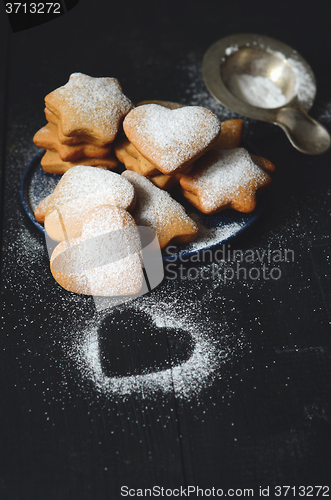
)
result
[(263, 416)]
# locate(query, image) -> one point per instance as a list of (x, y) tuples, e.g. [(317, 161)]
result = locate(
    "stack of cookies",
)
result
[(163, 145), (163, 140), (188, 146), (94, 215), (84, 117)]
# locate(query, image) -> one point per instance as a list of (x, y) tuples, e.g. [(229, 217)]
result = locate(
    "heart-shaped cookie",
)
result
[(105, 259), (171, 139), (79, 191)]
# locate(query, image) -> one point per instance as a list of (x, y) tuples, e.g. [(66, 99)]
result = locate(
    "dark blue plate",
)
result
[(214, 229)]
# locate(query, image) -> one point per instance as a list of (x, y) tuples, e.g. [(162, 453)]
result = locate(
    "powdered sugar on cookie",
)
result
[(105, 259), (80, 190), (89, 106), (222, 179), (171, 139), (155, 208)]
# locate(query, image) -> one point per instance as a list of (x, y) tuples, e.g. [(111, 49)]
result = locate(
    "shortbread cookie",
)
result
[(80, 190), (231, 130), (54, 122), (171, 139), (155, 208), (40, 211), (164, 181), (105, 259), (230, 136), (224, 179), (51, 118), (132, 159), (165, 104), (93, 107), (47, 138), (263, 163), (52, 163)]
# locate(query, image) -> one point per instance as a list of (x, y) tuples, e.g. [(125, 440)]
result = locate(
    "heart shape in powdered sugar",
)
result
[(171, 139)]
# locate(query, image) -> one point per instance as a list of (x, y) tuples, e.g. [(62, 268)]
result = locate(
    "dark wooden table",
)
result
[(262, 418)]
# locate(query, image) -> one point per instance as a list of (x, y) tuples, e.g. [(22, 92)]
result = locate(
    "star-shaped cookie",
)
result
[(52, 163), (226, 179), (47, 138), (89, 106), (156, 209)]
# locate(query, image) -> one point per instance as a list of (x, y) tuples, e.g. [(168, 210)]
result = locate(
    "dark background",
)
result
[(265, 418)]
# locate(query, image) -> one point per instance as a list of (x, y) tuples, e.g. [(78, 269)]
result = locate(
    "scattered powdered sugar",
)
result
[(210, 350), (325, 113), (257, 90), (170, 138), (231, 49), (209, 236), (23, 248)]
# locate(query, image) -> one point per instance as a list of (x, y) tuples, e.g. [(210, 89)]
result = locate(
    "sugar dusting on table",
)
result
[(210, 236), (165, 309), (220, 345)]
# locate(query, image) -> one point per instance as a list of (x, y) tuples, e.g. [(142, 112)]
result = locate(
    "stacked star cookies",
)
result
[(83, 117)]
